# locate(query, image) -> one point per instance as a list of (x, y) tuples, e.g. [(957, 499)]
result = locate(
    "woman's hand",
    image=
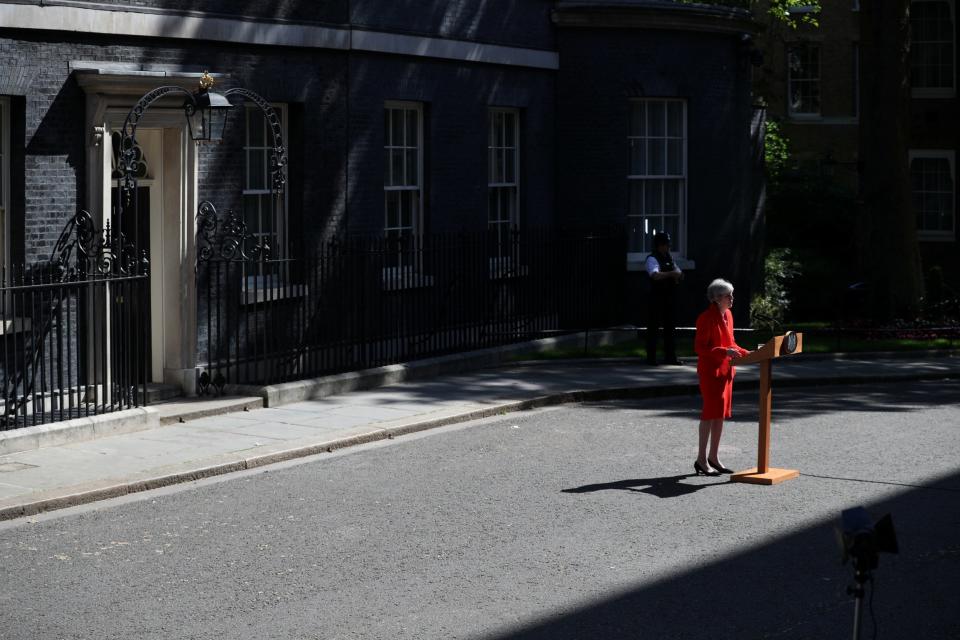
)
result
[(733, 352)]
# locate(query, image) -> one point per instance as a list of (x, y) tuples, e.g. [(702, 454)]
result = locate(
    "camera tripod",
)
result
[(861, 577)]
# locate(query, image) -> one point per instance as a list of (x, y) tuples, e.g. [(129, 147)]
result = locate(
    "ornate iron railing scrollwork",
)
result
[(82, 253), (226, 239), (128, 160), (278, 157)]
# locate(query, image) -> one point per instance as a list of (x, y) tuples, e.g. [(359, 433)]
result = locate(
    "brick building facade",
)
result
[(810, 80), (399, 118)]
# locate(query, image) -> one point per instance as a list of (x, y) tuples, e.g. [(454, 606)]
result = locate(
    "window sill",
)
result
[(14, 325), (933, 93), (273, 294), (936, 236)]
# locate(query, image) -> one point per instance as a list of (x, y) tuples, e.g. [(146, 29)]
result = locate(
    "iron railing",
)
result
[(365, 302), (73, 331)]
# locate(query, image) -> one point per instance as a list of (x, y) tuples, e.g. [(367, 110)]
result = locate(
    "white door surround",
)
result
[(162, 131)]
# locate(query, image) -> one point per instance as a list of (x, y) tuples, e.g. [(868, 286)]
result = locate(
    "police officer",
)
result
[(664, 276)]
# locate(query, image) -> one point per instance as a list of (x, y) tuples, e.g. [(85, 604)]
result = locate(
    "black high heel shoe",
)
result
[(719, 467), (701, 471)]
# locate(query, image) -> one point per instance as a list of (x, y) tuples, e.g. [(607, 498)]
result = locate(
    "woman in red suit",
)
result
[(715, 347)]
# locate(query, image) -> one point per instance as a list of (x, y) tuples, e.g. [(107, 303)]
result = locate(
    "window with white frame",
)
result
[(803, 79), (932, 48), (402, 180), (503, 182), (933, 189), (657, 177), (4, 177), (264, 209)]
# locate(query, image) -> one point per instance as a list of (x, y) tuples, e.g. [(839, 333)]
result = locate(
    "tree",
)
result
[(889, 253)]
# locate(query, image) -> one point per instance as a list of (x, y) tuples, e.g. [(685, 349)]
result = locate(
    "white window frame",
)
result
[(939, 92), (403, 275), (640, 221), (816, 81), (270, 286), (498, 182), (937, 154)]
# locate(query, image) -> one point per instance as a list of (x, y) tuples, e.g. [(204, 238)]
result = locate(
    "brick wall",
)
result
[(602, 70), (455, 99), (55, 138)]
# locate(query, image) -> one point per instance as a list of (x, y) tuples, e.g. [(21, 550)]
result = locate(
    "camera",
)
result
[(862, 541)]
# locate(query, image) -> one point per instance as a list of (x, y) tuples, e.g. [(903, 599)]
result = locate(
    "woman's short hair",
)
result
[(718, 288)]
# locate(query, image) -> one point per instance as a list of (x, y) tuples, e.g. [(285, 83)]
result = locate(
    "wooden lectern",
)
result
[(763, 473)]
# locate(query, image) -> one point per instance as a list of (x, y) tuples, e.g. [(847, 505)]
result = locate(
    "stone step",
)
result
[(157, 392), (185, 409)]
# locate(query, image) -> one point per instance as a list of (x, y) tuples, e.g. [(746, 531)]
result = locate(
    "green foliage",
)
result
[(794, 13), (776, 151), (767, 309)]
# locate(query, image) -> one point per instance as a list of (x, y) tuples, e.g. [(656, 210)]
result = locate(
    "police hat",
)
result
[(661, 238)]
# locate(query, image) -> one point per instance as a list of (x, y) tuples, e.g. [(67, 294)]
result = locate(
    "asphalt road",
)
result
[(582, 521)]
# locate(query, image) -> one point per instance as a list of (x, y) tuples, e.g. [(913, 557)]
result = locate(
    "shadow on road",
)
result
[(808, 401), (792, 587), (664, 487)]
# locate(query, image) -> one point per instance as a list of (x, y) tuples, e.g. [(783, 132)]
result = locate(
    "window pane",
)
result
[(671, 197), (675, 119), (636, 197), (671, 225), (638, 118), (656, 157), (256, 169), (674, 157), (498, 166), (509, 166), (413, 208), (508, 205), (404, 220), (396, 167), (509, 133), (653, 204), (413, 169), (255, 125), (638, 157), (412, 128), (396, 127), (656, 119)]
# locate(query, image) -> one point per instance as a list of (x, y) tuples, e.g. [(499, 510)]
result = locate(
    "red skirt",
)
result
[(717, 397)]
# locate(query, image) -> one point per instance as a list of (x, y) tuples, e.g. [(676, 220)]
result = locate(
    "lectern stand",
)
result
[(763, 473)]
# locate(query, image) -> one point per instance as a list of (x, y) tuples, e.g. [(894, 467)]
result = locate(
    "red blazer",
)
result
[(713, 339)]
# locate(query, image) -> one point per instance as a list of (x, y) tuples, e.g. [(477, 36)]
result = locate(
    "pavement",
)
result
[(240, 436)]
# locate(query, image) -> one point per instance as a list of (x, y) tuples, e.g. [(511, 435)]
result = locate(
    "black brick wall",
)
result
[(574, 123), (54, 138), (455, 99), (600, 71)]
